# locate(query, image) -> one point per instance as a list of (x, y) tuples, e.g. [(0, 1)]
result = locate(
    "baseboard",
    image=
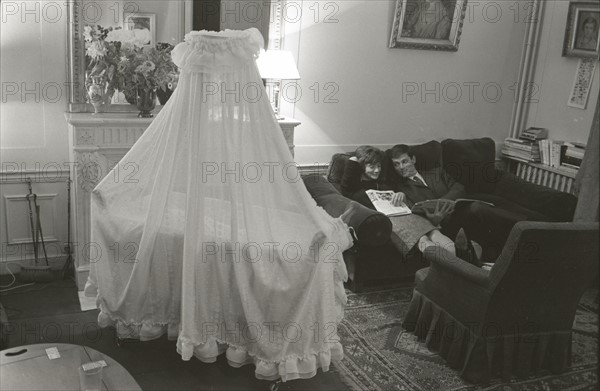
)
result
[(13, 266), (81, 276)]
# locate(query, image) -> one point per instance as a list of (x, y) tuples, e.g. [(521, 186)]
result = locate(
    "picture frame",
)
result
[(143, 25), (428, 24), (582, 33)]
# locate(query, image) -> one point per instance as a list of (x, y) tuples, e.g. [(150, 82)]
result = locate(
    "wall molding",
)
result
[(11, 205), (527, 65), (42, 175)]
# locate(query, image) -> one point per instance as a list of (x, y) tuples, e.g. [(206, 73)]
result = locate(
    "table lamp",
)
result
[(275, 66)]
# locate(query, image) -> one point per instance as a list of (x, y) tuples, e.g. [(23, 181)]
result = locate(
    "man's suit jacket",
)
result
[(439, 185)]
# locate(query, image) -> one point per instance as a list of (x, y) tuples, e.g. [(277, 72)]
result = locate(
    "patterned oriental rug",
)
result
[(380, 355)]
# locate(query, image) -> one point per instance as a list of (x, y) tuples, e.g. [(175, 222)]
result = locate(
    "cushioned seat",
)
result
[(515, 319)]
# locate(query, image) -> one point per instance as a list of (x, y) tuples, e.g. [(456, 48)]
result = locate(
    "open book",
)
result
[(430, 205), (382, 201)]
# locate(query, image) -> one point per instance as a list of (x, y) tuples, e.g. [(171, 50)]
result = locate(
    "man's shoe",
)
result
[(467, 250)]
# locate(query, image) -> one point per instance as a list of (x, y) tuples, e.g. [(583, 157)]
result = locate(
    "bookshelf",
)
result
[(541, 174)]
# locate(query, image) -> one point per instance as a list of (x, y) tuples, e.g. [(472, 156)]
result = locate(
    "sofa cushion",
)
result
[(429, 155), (555, 205), (337, 166), (472, 163), (372, 228)]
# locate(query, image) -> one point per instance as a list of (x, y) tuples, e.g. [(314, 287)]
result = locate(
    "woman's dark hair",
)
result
[(367, 154)]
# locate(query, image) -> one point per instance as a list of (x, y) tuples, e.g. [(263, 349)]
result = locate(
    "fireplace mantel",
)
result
[(96, 144)]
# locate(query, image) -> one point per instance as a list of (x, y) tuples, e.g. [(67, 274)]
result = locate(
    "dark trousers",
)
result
[(487, 225)]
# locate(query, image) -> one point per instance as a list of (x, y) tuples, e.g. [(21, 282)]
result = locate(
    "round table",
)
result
[(29, 367)]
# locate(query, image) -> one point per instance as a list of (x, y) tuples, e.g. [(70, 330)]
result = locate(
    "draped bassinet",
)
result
[(214, 239)]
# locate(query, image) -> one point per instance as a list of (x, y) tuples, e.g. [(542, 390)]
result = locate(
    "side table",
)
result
[(28, 367)]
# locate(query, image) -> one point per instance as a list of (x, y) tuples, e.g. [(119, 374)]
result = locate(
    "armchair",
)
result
[(515, 319)]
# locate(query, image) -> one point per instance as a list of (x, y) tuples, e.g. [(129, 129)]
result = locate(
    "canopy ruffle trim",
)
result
[(204, 51), (144, 331), (289, 368), (478, 358)]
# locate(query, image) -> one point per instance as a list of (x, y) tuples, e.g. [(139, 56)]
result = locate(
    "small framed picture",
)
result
[(582, 34), (143, 27), (428, 24)]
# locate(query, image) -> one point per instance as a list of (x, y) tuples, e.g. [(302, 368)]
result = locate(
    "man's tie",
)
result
[(418, 180)]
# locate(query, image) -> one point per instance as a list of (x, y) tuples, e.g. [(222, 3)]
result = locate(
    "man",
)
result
[(485, 224)]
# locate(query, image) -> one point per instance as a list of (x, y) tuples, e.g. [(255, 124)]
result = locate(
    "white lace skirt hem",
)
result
[(288, 368)]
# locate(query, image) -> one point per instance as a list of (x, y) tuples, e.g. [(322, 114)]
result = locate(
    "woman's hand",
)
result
[(398, 198), (354, 159)]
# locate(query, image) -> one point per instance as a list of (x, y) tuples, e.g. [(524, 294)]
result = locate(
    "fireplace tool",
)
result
[(35, 273), (68, 268)]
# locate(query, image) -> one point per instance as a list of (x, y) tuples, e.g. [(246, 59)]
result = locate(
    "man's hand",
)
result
[(442, 209), (398, 198)]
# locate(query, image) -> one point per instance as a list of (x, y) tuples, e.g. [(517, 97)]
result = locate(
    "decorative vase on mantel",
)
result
[(146, 101), (130, 97), (96, 92), (163, 96)]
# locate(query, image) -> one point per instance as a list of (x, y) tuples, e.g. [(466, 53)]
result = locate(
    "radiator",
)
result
[(546, 176)]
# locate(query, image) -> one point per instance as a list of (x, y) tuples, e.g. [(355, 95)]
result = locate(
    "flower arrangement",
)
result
[(146, 68), (102, 57), (115, 56)]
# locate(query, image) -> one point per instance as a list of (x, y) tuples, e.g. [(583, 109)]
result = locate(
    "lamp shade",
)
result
[(277, 64)]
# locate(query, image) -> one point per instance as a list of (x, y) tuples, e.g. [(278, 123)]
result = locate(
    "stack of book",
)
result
[(551, 152), (524, 150), (572, 156)]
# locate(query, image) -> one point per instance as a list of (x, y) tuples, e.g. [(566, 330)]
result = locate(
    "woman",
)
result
[(588, 37), (363, 172)]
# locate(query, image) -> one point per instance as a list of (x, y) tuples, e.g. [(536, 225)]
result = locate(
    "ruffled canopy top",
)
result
[(222, 51)]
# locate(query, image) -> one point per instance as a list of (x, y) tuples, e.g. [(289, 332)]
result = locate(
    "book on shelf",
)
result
[(534, 134), (556, 152), (569, 168), (382, 201), (551, 152), (574, 150), (521, 149), (520, 155), (573, 161)]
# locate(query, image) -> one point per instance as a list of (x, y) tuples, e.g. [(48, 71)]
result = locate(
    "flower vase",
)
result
[(163, 96), (96, 92), (130, 97), (146, 101)]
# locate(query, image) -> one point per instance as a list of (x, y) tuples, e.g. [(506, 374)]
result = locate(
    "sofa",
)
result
[(375, 259)]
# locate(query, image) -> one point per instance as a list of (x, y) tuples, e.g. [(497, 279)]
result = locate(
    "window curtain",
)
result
[(586, 182)]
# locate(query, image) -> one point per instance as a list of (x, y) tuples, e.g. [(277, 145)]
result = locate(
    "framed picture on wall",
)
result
[(582, 35), (143, 27), (428, 24)]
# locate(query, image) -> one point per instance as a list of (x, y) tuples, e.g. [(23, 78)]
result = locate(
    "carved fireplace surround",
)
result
[(96, 144)]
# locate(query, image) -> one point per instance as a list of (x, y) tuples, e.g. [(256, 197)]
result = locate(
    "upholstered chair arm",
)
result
[(457, 286)]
